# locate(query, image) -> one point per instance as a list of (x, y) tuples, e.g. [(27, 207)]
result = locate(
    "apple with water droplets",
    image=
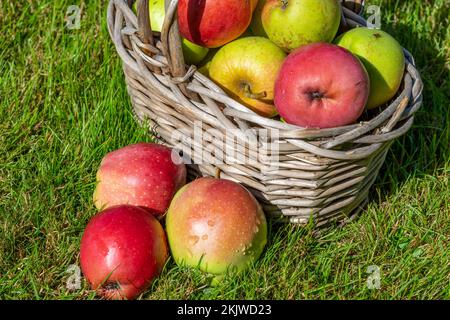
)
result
[(142, 174), (122, 250), (216, 225)]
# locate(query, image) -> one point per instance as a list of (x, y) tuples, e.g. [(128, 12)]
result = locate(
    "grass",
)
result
[(64, 105)]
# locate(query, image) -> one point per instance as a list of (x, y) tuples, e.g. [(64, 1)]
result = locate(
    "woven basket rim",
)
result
[(399, 110)]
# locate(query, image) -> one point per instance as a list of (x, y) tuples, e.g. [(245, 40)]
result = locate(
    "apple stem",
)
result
[(249, 94)]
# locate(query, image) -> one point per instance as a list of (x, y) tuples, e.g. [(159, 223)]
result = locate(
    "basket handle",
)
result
[(145, 32), (170, 35), (354, 5)]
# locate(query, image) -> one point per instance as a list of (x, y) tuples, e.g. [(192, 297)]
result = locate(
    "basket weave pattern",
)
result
[(321, 174)]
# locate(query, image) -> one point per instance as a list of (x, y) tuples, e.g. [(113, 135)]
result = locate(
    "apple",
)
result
[(122, 250), (193, 54), (142, 174), (247, 69), (293, 23), (215, 225), (383, 58), (321, 85), (213, 23)]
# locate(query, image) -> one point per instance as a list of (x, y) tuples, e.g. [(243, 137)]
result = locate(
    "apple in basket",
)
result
[(192, 53), (294, 23), (122, 250), (213, 23), (214, 225), (383, 58), (142, 174), (321, 85), (247, 69)]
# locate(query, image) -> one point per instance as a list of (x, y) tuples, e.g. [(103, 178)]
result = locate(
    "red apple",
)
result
[(321, 85), (213, 23), (122, 250), (215, 224), (142, 174)]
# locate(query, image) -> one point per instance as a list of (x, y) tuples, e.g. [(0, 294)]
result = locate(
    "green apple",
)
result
[(247, 69), (193, 54), (256, 26), (383, 58), (293, 23)]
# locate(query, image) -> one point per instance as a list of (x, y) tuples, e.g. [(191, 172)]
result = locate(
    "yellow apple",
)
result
[(247, 69)]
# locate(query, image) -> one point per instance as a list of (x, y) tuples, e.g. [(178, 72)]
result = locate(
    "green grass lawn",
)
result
[(64, 105)]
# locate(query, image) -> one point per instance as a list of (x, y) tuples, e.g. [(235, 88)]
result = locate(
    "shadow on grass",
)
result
[(424, 149)]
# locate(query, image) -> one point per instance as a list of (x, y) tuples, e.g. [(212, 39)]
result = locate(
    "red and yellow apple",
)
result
[(294, 23), (213, 23), (142, 174), (122, 250), (321, 85), (215, 225), (247, 69), (383, 58)]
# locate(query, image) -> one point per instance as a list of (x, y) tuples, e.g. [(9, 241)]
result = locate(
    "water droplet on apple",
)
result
[(193, 240)]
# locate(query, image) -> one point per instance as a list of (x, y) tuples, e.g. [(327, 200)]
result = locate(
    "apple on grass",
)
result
[(383, 59), (213, 23), (293, 23), (142, 174), (193, 54), (321, 85), (215, 225), (122, 250), (247, 69)]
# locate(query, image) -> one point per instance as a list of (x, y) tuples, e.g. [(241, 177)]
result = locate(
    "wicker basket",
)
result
[(322, 176)]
